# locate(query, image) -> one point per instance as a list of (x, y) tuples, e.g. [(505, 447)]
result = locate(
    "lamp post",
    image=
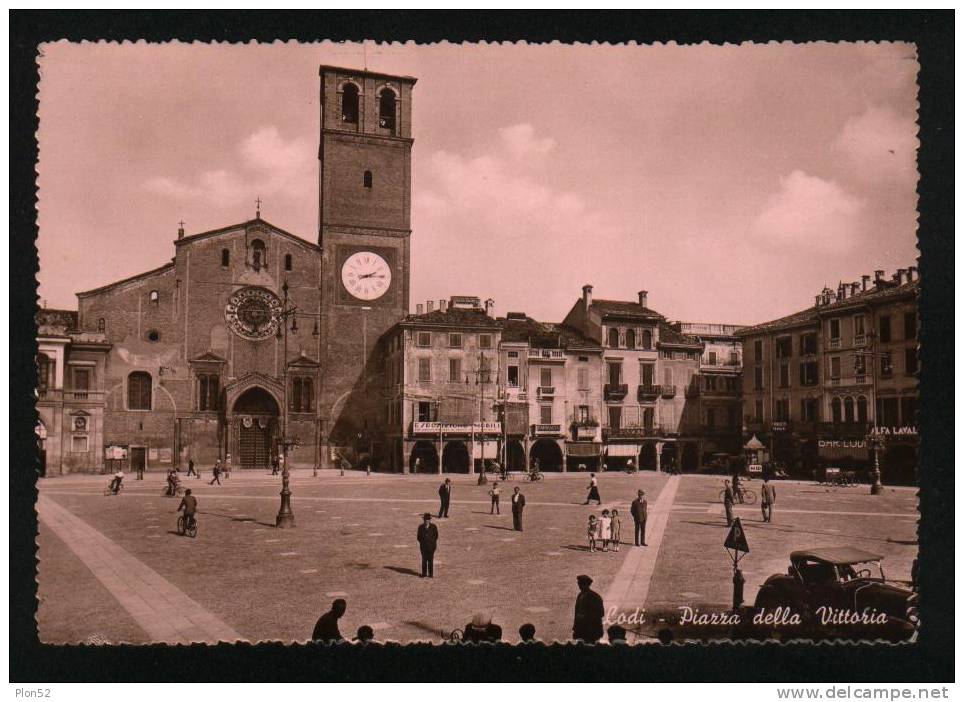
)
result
[(481, 379), (286, 518), (874, 442)]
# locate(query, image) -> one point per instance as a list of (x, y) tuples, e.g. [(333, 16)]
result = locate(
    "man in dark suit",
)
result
[(427, 542), (728, 502), (327, 627), (639, 510), (444, 495), (518, 504), (588, 623)]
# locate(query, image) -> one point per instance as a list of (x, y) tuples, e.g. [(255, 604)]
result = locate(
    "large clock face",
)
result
[(253, 313), (366, 275)]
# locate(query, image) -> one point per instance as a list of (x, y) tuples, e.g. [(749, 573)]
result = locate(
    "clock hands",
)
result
[(371, 275)]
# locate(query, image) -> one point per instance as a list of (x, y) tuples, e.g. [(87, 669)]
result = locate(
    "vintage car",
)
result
[(841, 592)]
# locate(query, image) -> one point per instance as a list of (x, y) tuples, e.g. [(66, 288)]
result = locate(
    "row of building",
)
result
[(251, 339)]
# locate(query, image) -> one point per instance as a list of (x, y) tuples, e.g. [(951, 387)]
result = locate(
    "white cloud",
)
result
[(809, 213), (269, 165), (522, 143), (880, 145)]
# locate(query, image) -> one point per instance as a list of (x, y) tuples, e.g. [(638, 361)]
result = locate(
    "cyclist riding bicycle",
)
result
[(189, 505), (172, 482), (115, 484)]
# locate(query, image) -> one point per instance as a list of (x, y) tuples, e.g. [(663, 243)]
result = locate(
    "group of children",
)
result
[(605, 529)]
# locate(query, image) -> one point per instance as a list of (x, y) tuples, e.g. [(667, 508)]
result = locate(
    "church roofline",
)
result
[(131, 279), (242, 225), (324, 68)]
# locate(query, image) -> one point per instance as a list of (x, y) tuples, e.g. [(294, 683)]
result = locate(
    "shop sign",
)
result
[(842, 443), (778, 426), (586, 433), (894, 431), (546, 429), (447, 428)]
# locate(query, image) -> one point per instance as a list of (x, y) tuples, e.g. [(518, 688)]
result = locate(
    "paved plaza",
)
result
[(113, 569)]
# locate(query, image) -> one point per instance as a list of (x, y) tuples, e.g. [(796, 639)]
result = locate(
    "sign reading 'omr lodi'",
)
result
[(449, 428)]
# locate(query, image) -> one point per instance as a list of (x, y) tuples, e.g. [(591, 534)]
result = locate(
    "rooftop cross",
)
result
[(257, 214)]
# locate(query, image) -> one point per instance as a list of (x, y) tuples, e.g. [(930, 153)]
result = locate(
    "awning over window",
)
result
[(622, 450), (583, 450), (843, 448)]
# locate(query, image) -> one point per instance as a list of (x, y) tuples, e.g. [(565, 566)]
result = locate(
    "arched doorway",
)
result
[(898, 465), (548, 453), (455, 457), (668, 461), (691, 458), (255, 426), (515, 455), (424, 452), (647, 456)]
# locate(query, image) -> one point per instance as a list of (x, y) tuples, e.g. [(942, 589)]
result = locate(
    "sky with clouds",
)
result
[(730, 182)]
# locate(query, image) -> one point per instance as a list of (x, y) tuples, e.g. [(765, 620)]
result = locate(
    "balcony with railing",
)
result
[(616, 391), (632, 431), (546, 355), (835, 343), (648, 393), (545, 392)]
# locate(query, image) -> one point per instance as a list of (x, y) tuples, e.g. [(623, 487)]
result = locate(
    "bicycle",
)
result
[(109, 490), (178, 491), (534, 476), (187, 526), (749, 497)]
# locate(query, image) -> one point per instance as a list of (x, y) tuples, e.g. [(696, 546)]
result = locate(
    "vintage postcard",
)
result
[(363, 342)]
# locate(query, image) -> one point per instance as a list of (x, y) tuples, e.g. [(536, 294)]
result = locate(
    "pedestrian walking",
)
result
[(593, 532), (217, 473), (605, 529), (191, 470), (417, 468), (227, 466), (494, 493), (768, 495), (115, 483), (587, 625), (427, 537), (728, 502), (630, 466), (639, 510), (737, 493), (326, 628), (444, 496), (614, 529), (275, 465), (593, 490), (140, 471), (518, 504)]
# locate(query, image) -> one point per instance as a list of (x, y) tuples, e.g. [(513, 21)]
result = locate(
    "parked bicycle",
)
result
[(534, 476), (749, 497)]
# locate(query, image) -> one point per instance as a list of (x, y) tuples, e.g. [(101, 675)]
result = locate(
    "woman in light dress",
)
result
[(605, 529)]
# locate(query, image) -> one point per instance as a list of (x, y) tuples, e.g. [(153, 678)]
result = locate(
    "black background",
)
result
[(931, 658)]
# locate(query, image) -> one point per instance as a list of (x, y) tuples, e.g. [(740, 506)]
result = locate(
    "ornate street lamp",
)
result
[(876, 443)]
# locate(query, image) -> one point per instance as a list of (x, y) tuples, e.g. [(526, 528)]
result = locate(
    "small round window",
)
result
[(153, 335)]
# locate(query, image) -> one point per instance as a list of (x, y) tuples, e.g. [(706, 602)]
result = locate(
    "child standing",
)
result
[(605, 529), (614, 528), (593, 531)]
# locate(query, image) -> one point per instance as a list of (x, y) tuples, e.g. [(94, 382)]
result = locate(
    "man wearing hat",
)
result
[(481, 629), (444, 495), (639, 509), (427, 542), (327, 627), (588, 623)]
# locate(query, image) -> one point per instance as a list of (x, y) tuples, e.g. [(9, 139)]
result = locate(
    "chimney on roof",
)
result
[(587, 295), (841, 292), (864, 279), (430, 306), (180, 231), (878, 276), (489, 304), (912, 274), (418, 308), (854, 288), (816, 300), (899, 275), (441, 305), (642, 298)]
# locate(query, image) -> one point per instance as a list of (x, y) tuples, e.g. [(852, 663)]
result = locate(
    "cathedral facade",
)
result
[(250, 337)]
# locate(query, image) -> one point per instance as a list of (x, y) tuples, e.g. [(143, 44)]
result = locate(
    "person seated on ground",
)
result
[(527, 633), (365, 634), (616, 634), (115, 483), (481, 629), (189, 505), (326, 629)]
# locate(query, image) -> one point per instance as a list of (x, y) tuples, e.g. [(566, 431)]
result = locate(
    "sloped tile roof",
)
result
[(623, 308), (545, 334), (452, 317), (668, 335)]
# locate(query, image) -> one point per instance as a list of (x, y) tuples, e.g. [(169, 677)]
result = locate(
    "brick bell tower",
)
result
[(364, 231)]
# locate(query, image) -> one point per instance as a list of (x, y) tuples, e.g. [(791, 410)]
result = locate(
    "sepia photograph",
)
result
[(359, 343)]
